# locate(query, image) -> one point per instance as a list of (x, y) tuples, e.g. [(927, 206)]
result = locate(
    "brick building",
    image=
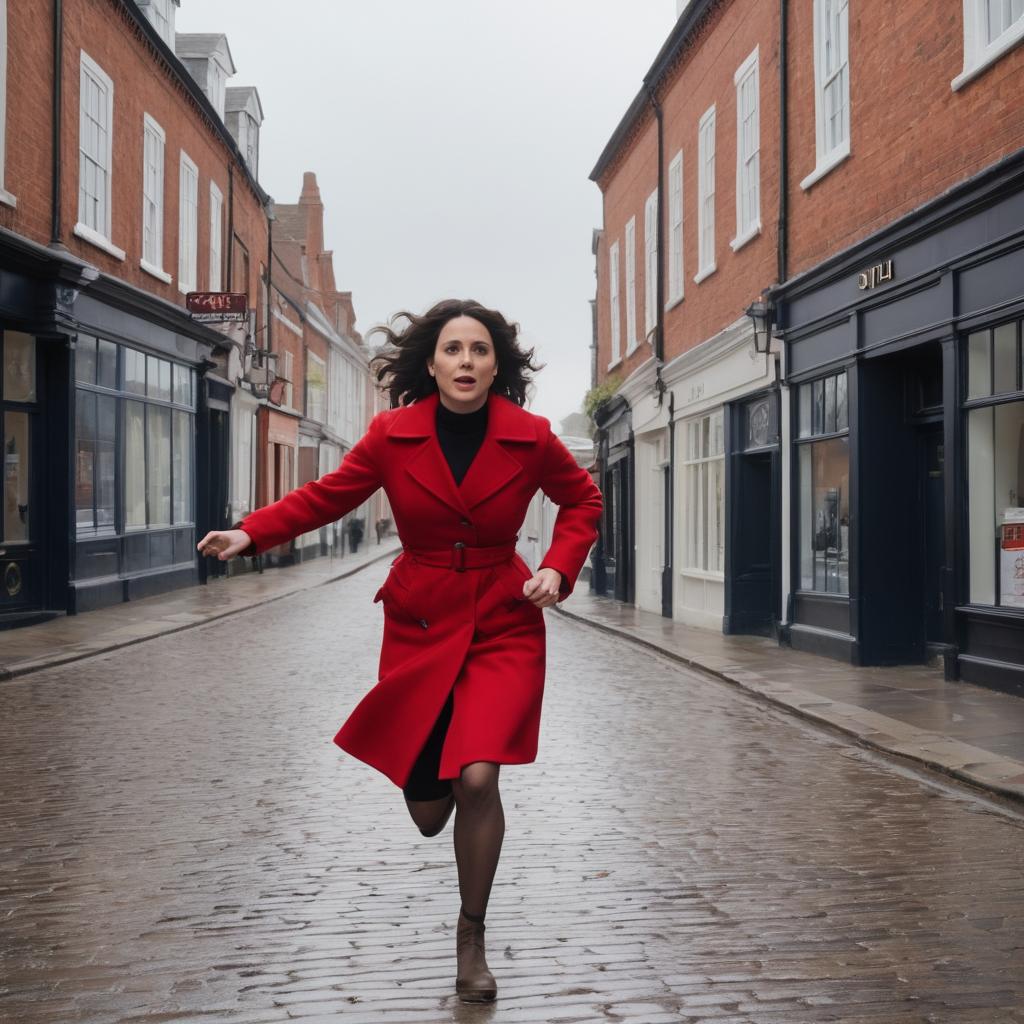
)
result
[(856, 489), (123, 188)]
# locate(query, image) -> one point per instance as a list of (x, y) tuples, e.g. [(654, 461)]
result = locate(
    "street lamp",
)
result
[(760, 313)]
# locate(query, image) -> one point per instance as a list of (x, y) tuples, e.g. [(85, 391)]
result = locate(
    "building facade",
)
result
[(853, 484), (122, 190)]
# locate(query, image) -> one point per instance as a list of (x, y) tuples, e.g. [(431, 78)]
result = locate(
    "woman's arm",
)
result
[(320, 501), (580, 503)]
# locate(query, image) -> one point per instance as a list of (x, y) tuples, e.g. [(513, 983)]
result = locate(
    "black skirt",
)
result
[(423, 782)]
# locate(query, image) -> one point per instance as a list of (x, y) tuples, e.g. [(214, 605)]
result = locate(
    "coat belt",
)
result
[(461, 556)]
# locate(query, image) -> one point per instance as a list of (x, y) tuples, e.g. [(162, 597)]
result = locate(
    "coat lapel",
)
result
[(493, 467)]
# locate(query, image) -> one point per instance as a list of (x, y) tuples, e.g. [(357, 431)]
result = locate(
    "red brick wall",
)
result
[(703, 77), (141, 85), (911, 135)]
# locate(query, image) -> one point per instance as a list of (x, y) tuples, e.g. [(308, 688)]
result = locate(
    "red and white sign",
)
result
[(208, 307)]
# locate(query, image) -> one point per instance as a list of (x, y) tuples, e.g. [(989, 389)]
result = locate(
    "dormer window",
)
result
[(207, 59), (243, 117), (161, 14)]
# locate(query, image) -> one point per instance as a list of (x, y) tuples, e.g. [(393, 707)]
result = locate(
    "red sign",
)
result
[(217, 306)]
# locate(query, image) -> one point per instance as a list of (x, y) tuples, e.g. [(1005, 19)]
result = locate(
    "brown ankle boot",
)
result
[(474, 983)]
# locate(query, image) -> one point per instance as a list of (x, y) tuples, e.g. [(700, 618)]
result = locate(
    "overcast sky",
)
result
[(452, 141)]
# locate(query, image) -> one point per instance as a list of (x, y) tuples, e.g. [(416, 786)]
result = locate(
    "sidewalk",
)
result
[(968, 732), (73, 637)]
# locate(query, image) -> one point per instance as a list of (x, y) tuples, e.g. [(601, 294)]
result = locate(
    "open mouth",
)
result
[(465, 380)]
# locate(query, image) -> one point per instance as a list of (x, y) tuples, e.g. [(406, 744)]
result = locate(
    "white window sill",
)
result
[(833, 160), (185, 288), (703, 574), (160, 275), (705, 272), (980, 61), (632, 348), (6, 198), (95, 238), (672, 303), (752, 232), (617, 361)]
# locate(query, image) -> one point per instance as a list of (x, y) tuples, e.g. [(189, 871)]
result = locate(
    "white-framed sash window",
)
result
[(216, 236), (991, 28), (613, 297), (188, 224), (630, 285), (650, 263), (5, 196), (704, 495), (831, 87), (706, 195), (748, 148), (153, 144), (95, 155), (675, 229)]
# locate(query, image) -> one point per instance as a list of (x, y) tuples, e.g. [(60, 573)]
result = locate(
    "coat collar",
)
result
[(492, 468)]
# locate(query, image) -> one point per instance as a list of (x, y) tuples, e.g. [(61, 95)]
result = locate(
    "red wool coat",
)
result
[(443, 627)]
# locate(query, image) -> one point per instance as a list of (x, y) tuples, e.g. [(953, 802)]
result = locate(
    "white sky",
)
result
[(452, 140)]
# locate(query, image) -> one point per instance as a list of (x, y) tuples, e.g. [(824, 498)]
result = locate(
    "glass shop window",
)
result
[(995, 465), (823, 462)]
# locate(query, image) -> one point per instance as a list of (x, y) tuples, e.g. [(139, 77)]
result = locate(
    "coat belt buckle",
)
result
[(459, 556)]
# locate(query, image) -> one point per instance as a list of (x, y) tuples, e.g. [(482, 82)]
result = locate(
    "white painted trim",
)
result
[(5, 196), (89, 67), (87, 234), (825, 161), (150, 126), (614, 304), (705, 273), (676, 272), (7, 199), (281, 318), (614, 363), (832, 161), (706, 190), (161, 275), (631, 332), (752, 232), (186, 163), (977, 55), (749, 67), (704, 574)]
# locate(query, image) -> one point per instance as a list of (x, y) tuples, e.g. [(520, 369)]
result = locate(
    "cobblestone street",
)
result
[(181, 841)]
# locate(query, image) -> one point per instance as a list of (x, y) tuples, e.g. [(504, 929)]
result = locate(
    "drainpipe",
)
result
[(58, 104), (783, 143), (231, 223)]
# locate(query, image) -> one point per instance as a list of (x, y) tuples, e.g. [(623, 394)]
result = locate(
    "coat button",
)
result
[(465, 522)]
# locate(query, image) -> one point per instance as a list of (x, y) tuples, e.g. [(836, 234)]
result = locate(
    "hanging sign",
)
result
[(217, 307)]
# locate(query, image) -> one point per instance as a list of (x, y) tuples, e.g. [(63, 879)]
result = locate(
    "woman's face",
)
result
[(464, 364)]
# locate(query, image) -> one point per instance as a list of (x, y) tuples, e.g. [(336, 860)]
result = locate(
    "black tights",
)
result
[(479, 818)]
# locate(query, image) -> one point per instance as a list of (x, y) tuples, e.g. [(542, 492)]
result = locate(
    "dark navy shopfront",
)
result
[(906, 437)]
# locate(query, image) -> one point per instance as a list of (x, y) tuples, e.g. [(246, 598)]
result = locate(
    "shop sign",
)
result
[(875, 275), (217, 307)]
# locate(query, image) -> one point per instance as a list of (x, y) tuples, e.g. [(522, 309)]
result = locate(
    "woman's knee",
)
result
[(477, 783)]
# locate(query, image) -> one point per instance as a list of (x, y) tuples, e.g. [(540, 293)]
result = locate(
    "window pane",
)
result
[(159, 378), (825, 516), (106, 365), (182, 385), (16, 477), (830, 405), (19, 366), (106, 459), (134, 371), (805, 410), (182, 467), (158, 464), (818, 407), (1008, 446), (85, 359), (134, 464), (981, 505), (979, 364), (1004, 358), (85, 458), (842, 412)]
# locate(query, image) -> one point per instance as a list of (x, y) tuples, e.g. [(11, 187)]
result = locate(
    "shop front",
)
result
[(906, 434), (613, 555), (100, 390)]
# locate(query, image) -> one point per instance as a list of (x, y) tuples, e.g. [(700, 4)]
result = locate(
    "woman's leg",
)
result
[(430, 800), (479, 831)]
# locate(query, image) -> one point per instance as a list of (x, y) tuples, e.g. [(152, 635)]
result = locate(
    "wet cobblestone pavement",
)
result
[(181, 841)]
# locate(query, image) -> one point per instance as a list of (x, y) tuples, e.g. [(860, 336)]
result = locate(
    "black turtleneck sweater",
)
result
[(460, 435)]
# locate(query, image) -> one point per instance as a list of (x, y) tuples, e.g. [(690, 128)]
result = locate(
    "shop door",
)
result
[(22, 570), (933, 484), (752, 579)]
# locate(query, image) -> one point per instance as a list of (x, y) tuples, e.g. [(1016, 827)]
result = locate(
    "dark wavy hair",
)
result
[(401, 367)]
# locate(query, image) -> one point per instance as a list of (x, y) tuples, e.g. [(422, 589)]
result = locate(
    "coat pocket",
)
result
[(394, 595)]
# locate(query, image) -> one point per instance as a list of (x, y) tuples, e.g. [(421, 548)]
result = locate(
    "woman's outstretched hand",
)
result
[(544, 588), (224, 544)]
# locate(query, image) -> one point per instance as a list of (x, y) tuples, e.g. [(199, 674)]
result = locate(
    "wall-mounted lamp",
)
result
[(761, 314)]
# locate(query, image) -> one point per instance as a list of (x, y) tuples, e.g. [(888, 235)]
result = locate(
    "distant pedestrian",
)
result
[(462, 663), (355, 534)]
